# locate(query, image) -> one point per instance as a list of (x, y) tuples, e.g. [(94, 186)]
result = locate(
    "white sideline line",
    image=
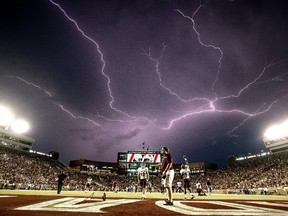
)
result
[(4, 196)]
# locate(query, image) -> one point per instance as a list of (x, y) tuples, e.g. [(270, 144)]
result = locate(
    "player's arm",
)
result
[(138, 175), (167, 168), (156, 165), (169, 165), (147, 171), (181, 173)]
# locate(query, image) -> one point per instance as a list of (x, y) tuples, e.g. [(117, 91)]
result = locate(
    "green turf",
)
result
[(98, 194)]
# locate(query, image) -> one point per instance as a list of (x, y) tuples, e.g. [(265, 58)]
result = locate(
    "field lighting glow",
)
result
[(8, 121), (277, 131), (20, 126), (6, 116)]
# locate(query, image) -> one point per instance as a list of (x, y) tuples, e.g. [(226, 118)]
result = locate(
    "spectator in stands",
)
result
[(19, 168)]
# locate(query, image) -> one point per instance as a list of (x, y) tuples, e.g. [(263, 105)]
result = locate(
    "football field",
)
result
[(78, 203)]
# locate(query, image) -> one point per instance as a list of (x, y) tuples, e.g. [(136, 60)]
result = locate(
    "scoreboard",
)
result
[(128, 162)]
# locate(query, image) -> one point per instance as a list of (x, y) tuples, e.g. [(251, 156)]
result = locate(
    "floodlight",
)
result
[(273, 132), (284, 127), (20, 126), (6, 116), (277, 131)]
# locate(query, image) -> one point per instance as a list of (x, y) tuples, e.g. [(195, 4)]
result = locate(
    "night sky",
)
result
[(95, 77)]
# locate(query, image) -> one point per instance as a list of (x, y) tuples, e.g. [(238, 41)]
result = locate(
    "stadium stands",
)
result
[(255, 174), (23, 170)]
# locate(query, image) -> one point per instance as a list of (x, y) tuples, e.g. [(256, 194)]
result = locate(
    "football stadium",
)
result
[(249, 185), (133, 107)]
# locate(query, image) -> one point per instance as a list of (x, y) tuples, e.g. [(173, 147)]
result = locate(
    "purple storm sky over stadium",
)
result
[(93, 78)]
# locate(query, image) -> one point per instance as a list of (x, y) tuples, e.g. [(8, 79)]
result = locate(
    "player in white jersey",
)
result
[(143, 178), (209, 186), (185, 174), (199, 189), (88, 184), (179, 186)]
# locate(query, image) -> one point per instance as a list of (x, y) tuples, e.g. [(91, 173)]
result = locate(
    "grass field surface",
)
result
[(154, 195)]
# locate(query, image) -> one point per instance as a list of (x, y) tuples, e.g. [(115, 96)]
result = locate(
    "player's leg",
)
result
[(168, 185), (192, 196), (188, 187), (199, 191), (185, 192), (185, 189), (58, 188), (86, 186), (143, 186)]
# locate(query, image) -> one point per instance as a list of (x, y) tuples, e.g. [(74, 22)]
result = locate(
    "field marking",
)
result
[(268, 203), (242, 209), (70, 204), (4, 196)]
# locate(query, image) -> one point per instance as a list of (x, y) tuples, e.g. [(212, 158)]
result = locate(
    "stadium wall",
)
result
[(276, 145), (84, 165), (14, 140)]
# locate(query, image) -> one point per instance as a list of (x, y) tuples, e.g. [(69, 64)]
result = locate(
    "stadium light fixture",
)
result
[(284, 126), (20, 126), (277, 131), (6, 116), (273, 132)]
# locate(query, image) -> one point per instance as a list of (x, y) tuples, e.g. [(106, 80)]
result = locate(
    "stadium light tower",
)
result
[(277, 131), (276, 137), (20, 126), (273, 132), (6, 117), (284, 126)]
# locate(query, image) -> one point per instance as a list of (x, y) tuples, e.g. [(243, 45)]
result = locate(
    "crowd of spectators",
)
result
[(267, 174), (23, 170), (269, 171)]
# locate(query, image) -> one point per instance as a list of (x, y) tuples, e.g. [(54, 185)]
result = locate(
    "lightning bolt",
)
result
[(243, 122), (213, 109), (66, 110), (249, 84), (77, 117), (258, 112), (157, 63), (50, 95), (198, 112), (205, 45), (103, 63), (30, 83), (119, 120), (211, 103)]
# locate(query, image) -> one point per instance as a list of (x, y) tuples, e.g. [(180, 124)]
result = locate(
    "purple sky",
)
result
[(97, 77)]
